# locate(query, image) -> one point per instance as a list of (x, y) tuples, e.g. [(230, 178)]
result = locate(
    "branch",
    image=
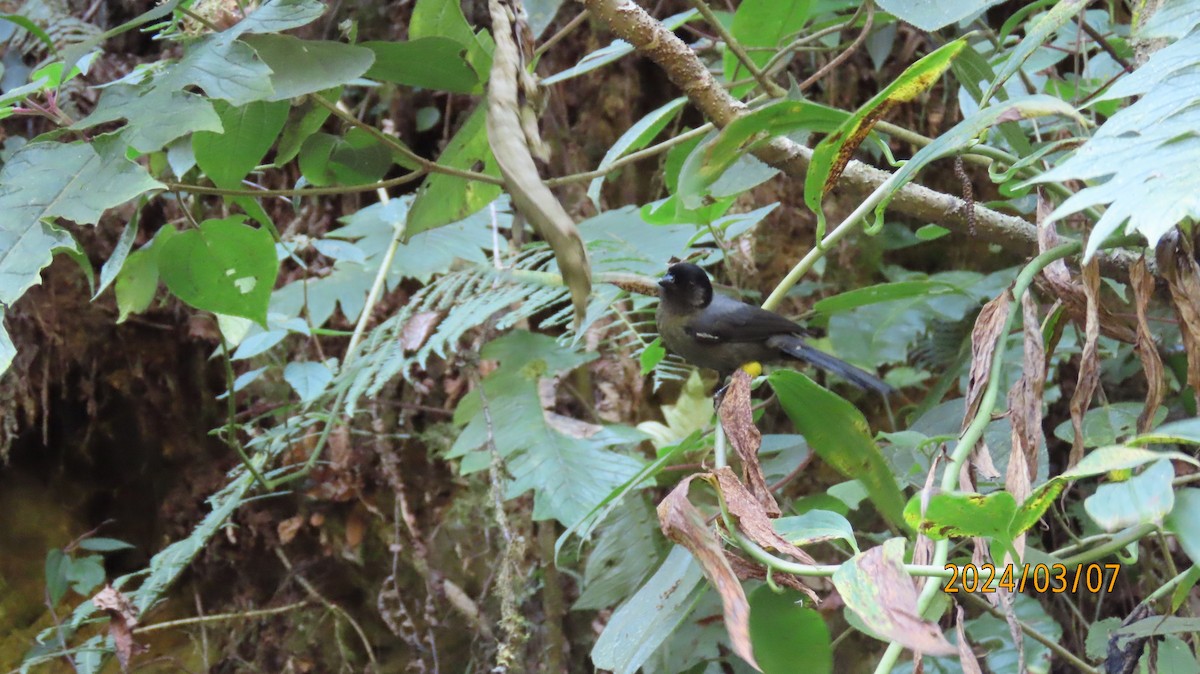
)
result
[(631, 23)]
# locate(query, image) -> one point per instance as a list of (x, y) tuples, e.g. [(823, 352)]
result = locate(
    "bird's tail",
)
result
[(797, 348)]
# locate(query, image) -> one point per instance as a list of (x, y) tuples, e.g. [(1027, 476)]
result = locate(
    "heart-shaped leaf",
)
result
[(226, 267)]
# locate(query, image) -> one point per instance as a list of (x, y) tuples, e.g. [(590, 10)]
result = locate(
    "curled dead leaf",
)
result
[(682, 522), (416, 330), (1147, 350), (122, 618), (751, 517), (1089, 362), (1177, 262), (737, 420)]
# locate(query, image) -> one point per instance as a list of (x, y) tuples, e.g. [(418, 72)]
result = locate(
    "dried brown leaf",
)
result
[(984, 337), (122, 618), (876, 587), (1089, 365), (1177, 261), (1025, 407), (966, 656), (737, 419), (1147, 350), (752, 520), (682, 522), (288, 529), (416, 330)]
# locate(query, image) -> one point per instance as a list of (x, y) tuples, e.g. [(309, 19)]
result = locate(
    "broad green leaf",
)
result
[(445, 19), (965, 133), (635, 138), (1146, 497), (930, 16), (225, 68), (1172, 20), (307, 379), (1120, 458), (640, 625), (443, 199), (301, 67), (250, 131), (759, 25), (112, 266), (839, 434), (46, 180), (304, 120), (963, 515), (884, 292), (831, 155), (705, 165), (225, 266), (1184, 522), (815, 526), (1035, 36), (652, 355), (154, 115), (625, 553), (615, 50), (136, 283), (1107, 424), (571, 467), (276, 16), (258, 344), (436, 63), (85, 573), (357, 159), (784, 631)]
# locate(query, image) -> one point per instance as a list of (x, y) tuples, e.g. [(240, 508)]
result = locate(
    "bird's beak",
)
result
[(667, 281)]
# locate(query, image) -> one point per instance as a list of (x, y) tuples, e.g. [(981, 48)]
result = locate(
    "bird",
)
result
[(720, 333)]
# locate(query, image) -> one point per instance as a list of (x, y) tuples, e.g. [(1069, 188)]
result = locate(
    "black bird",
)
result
[(723, 334)]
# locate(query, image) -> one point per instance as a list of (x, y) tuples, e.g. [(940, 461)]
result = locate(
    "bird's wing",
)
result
[(728, 320)]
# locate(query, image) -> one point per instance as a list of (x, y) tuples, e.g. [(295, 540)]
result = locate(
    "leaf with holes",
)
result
[(225, 266)]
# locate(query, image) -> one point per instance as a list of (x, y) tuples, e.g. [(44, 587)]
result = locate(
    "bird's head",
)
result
[(685, 284)]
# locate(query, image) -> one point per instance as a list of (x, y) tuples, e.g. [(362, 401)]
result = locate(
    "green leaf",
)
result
[(963, 515), (136, 283), (225, 266), (635, 138), (224, 68), (614, 51), (763, 24), (640, 625), (250, 131), (443, 199), (652, 355), (101, 544), (1146, 497), (831, 155), (839, 434), (357, 159), (1122, 162), (627, 550), (112, 266), (304, 120), (1184, 431), (57, 563), (1184, 522), (154, 115), (46, 180), (570, 466), (300, 67), (1035, 36), (783, 632), (436, 63), (884, 292), (445, 19), (85, 573), (705, 165), (815, 526), (930, 16), (1107, 424), (308, 380)]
